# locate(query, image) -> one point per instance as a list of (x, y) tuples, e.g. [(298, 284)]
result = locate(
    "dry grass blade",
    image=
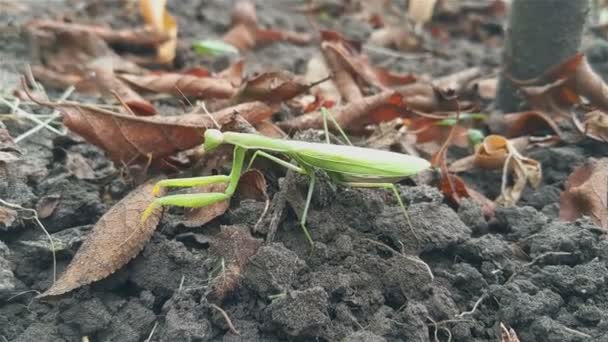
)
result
[(117, 237), (507, 334)]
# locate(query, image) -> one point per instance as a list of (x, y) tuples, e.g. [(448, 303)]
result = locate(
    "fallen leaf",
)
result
[(421, 11), (129, 139), (563, 85), (7, 217), (272, 87), (455, 190), (525, 171), (507, 334), (9, 151), (177, 84), (586, 193), (158, 17), (78, 166), (397, 37), (525, 123), (235, 245), (245, 34), (101, 76), (46, 205), (492, 152), (140, 36), (594, 126), (116, 238)]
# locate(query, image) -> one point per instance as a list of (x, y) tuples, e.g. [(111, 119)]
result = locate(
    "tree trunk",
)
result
[(541, 33)]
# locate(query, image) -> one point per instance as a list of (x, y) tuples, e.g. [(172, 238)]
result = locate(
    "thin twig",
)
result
[(462, 314), (227, 319), (413, 259), (21, 113), (152, 332), (37, 220), (535, 260)]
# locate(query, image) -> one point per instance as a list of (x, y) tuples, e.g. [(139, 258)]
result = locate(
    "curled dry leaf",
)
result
[(9, 151), (594, 126), (586, 193), (189, 85), (245, 33), (116, 238), (507, 334), (492, 152), (455, 190), (525, 170), (155, 14), (421, 11), (46, 205), (7, 217), (272, 87), (140, 36), (524, 123), (235, 245), (101, 77), (128, 139), (78, 166), (562, 86)]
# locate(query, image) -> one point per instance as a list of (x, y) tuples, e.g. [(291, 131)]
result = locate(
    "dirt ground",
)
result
[(544, 277)]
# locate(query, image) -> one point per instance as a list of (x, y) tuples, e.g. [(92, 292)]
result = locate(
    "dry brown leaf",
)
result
[(46, 205), (421, 11), (235, 245), (129, 139), (9, 151), (594, 126), (525, 171), (527, 123), (245, 33), (116, 238), (157, 16), (492, 152), (397, 37), (561, 86), (78, 166), (455, 190), (7, 217), (507, 334), (140, 36), (177, 84), (272, 87), (269, 129), (101, 77), (586, 193)]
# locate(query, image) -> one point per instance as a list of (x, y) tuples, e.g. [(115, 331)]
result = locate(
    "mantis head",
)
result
[(213, 138)]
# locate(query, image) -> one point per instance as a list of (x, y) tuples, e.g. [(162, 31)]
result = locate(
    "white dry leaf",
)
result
[(421, 11)]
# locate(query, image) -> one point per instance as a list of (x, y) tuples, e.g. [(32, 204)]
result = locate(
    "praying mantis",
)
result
[(346, 165)]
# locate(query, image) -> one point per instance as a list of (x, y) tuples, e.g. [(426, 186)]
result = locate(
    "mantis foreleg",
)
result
[(389, 186), (201, 199), (189, 182)]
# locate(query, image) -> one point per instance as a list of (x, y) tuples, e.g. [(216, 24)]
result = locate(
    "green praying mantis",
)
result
[(346, 165)]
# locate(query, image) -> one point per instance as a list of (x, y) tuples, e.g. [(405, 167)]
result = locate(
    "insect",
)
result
[(346, 165)]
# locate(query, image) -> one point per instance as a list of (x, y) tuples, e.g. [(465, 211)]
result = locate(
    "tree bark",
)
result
[(541, 33)]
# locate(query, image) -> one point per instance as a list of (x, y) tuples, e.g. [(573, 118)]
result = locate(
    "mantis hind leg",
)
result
[(393, 188), (279, 161), (327, 114)]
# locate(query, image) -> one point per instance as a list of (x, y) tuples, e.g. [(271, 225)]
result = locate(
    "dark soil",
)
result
[(546, 278)]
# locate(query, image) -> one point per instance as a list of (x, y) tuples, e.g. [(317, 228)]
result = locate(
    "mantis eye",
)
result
[(213, 138)]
